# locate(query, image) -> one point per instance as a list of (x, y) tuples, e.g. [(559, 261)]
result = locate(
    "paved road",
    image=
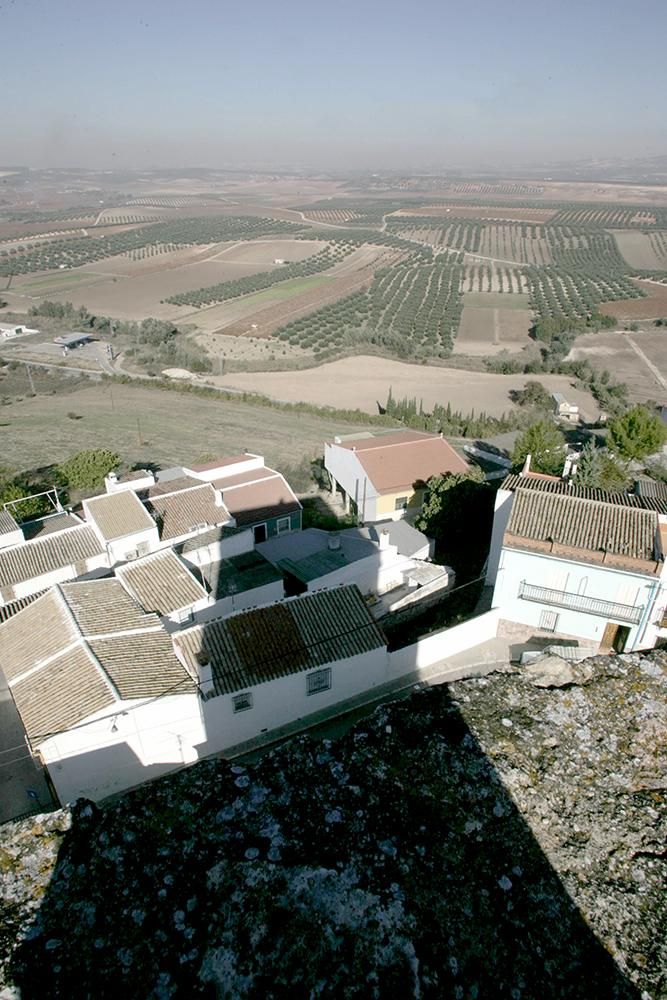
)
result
[(19, 773)]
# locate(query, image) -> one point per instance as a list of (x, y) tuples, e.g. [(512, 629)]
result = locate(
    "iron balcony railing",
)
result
[(579, 602)]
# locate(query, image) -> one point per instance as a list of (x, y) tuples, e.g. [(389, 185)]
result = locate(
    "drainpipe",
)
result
[(646, 618)]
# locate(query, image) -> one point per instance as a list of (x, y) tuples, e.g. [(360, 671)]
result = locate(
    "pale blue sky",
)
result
[(368, 84)]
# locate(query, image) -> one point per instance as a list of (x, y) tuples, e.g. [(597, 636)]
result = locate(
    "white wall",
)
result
[(602, 582), (246, 464), (448, 642), (121, 548), (11, 538), (284, 700), (377, 573), (152, 738), (233, 545), (346, 469), (501, 515), (269, 593), (61, 575)]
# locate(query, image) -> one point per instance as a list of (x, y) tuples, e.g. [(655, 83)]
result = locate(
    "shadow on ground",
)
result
[(391, 863)]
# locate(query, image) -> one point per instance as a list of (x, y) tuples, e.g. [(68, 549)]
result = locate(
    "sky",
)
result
[(372, 84)]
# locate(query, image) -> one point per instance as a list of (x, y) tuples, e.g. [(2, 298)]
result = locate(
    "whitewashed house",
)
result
[(123, 525), (10, 531), (384, 477), (165, 585), (66, 550), (263, 669), (578, 563), (104, 701)]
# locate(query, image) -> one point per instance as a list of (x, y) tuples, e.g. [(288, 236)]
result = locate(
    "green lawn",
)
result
[(56, 282), (160, 426), (496, 300), (287, 289)]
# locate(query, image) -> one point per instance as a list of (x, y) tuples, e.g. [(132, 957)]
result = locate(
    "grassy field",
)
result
[(647, 251), (496, 300), (157, 426)]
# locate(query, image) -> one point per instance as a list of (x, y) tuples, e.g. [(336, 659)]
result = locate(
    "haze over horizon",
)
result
[(357, 87)]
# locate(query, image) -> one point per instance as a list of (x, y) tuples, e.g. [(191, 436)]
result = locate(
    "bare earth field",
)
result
[(614, 351), (641, 249), (151, 425), (502, 213), (134, 289), (487, 331), (364, 381), (654, 306)]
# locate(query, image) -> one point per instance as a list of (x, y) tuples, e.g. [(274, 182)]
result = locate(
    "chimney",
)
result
[(333, 542), (384, 539), (526, 466), (206, 685), (113, 477)]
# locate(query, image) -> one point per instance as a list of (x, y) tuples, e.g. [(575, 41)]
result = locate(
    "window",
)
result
[(318, 681), (548, 621), (242, 702), (283, 525), (401, 503)]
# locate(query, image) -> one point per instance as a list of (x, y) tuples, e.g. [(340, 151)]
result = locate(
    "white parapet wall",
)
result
[(441, 645)]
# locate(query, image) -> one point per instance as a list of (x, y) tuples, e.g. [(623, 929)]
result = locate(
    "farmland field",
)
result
[(364, 381), (615, 352), (487, 331), (501, 213), (646, 251), (653, 306), (523, 244), (491, 276), (151, 425)]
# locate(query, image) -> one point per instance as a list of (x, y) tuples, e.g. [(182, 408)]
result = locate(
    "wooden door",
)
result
[(608, 637)]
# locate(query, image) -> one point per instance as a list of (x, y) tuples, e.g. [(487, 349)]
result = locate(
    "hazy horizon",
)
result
[(143, 86)]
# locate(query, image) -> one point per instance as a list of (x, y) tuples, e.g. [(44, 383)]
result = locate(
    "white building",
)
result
[(104, 701), (385, 477), (262, 669), (10, 530), (10, 330), (578, 563), (123, 525), (564, 410)]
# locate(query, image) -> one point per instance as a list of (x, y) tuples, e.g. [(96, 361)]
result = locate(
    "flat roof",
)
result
[(239, 574), (72, 339)]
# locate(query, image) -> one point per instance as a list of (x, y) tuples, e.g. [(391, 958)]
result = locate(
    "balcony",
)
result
[(579, 602)]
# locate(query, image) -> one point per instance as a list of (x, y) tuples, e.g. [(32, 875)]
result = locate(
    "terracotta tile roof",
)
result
[(7, 522), (562, 488), (45, 555), (46, 525), (281, 639), (61, 694), (255, 496), (180, 513), (8, 611), (605, 531), (142, 664), (397, 461), (210, 537), (650, 488), (118, 514), (161, 582)]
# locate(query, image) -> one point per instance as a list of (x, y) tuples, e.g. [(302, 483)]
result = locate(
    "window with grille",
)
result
[(242, 702), (283, 525), (320, 680), (549, 621), (401, 503)]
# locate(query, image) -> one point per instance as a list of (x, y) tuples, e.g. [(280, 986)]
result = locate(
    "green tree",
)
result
[(533, 394), (453, 504), (637, 433), (590, 466), (86, 470), (545, 443), (613, 475)]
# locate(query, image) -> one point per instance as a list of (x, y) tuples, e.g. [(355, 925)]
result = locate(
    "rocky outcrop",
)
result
[(492, 838)]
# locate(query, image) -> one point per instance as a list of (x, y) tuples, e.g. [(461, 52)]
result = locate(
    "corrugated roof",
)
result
[(649, 488), (397, 461), (70, 651), (585, 525), (7, 522), (61, 694), (281, 639), (45, 555), (118, 514), (142, 665), (180, 513), (570, 488), (161, 582), (42, 630), (102, 606)]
